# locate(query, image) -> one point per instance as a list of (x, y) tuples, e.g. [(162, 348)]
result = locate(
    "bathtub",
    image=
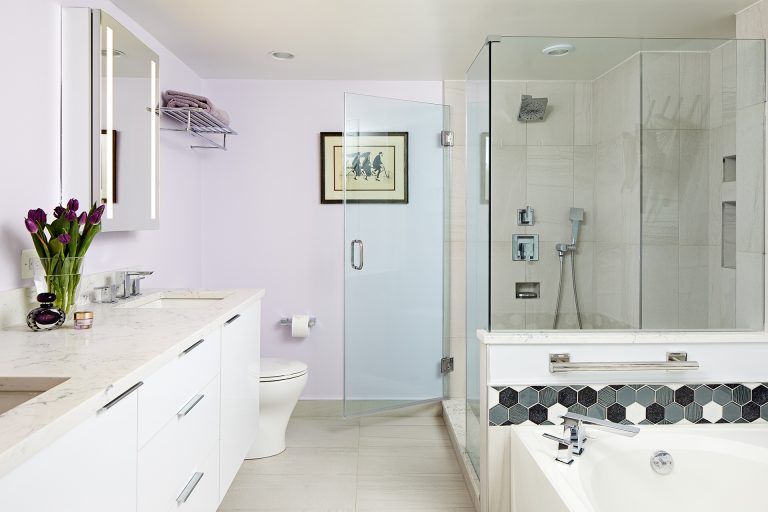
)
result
[(716, 468)]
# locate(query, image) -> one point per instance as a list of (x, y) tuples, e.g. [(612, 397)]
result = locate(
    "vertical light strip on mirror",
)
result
[(109, 148), (153, 141)]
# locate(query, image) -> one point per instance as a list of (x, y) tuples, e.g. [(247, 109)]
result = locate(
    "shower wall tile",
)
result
[(661, 90), (457, 382), (660, 276), (507, 312), (549, 185), (694, 91), (716, 88), (615, 294), (694, 187), (582, 114), (584, 188), (750, 179), (507, 130), (714, 209), (722, 292), (750, 57), (661, 170), (539, 313), (612, 114), (558, 127), (509, 192), (693, 308), (729, 98), (749, 290), (454, 96)]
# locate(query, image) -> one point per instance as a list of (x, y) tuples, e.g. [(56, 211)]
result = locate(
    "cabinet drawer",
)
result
[(168, 460), (201, 491), (166, 391)]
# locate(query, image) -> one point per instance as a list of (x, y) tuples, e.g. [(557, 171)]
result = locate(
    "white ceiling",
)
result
[(397, 39)]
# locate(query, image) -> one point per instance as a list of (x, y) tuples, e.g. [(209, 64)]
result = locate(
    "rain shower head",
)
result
[(532, 109)]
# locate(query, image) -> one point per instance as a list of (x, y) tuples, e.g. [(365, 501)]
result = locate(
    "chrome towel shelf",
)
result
[(198, 122), (676, 361)]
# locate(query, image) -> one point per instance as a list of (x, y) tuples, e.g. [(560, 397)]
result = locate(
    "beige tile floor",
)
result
[(371, 464)]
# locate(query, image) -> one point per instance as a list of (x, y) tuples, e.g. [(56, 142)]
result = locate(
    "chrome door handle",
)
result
[(192, 347), (122, 395), (352, 254), (185, 494)]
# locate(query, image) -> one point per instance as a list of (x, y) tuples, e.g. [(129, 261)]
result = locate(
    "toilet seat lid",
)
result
[(276, 369)]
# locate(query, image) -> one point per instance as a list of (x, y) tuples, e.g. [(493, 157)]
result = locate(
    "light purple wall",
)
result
[(263, 223), (29, 174)]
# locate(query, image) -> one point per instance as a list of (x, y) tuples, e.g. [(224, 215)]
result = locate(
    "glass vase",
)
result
[(60, 276)]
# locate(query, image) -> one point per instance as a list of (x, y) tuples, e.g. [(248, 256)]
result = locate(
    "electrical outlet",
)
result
[(27, 269)]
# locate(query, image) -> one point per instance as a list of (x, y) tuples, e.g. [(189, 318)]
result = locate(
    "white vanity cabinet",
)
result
[(91, 468), (240, 354)]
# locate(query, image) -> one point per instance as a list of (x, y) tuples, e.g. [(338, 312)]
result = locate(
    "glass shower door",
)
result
[(393, 175)]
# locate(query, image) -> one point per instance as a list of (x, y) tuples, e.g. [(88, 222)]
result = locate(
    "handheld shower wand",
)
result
[(576, 217)]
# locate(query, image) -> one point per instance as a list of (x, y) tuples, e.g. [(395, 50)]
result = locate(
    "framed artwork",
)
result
[(374, 168)]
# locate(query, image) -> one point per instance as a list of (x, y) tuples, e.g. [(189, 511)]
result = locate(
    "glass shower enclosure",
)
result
[(393, 169), (613, 183)]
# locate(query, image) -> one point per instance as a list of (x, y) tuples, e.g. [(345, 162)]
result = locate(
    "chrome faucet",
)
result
[(132, 282), (575, 435)]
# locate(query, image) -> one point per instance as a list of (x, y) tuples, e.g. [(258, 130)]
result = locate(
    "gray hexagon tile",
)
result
[(644, 404)]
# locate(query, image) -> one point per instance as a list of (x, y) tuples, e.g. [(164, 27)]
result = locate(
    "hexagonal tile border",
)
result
[(644, 404)]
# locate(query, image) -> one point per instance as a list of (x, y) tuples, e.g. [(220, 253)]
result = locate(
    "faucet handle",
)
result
[(564, 446), (578, 420)]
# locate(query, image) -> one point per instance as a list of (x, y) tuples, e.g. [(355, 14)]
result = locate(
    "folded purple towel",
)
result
[(180, 99)]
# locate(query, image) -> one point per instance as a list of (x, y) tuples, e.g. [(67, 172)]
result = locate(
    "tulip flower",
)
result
[(37, 216), (58, 211), (83, 217), (95, 217), (70, 216), (73, 204), (64, 238), (31, 225)]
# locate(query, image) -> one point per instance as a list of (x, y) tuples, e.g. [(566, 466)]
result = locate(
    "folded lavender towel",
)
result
[(177, 99)]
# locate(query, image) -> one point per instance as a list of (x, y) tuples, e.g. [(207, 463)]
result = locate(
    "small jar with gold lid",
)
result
[(83, 319)]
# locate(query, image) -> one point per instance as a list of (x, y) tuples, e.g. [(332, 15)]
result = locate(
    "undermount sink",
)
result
[(177, 300), (186, 303), (14, 391)]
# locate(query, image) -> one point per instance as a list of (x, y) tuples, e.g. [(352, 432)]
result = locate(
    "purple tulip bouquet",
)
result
[(61, 246)]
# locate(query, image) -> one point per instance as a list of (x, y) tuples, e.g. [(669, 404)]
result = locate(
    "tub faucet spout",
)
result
[(575, 434)]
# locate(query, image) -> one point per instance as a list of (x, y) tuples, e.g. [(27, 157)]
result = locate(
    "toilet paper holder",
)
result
[(288, 321)]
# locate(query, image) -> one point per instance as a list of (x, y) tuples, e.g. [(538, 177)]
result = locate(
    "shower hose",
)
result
[(560, 290)]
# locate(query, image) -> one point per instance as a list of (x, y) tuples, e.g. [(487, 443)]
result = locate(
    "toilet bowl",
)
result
[(281, 382)]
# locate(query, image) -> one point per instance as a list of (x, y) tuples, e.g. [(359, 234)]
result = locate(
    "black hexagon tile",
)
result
[(644, 404)]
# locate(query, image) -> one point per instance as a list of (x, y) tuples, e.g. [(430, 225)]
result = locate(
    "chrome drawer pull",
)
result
[(184, 496), (190, 405), (232, 319), (124, 394), (192, 347)]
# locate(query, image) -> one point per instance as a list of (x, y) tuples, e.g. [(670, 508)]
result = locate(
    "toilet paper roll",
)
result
[(300, 326)]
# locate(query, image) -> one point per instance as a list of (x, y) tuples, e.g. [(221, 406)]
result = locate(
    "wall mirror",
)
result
[(109, 127)]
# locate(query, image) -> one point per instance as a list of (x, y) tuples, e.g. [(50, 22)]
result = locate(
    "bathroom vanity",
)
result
[(151, 410)]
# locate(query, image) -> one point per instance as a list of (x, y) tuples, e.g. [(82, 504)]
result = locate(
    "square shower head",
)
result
[(532, 109)]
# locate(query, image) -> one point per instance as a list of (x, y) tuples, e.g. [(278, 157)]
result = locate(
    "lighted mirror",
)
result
[(109, 127)]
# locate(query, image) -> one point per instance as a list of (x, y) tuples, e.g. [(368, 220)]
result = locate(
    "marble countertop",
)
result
[(125, 345)]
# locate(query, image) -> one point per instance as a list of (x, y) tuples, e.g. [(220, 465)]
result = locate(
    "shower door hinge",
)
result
[(446, 138), (446, 365)]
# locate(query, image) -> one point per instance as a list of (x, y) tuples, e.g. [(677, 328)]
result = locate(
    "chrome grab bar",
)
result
[(676, 361)]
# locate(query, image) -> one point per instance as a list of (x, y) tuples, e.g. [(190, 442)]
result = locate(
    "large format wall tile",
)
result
[(508, 191), (549, 185), (661, 90), (750, 179), (661, 168), (693, 187), (557, 127), (507, 130), (694, 90)]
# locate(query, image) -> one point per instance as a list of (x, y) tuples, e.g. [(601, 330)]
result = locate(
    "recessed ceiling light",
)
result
[(282, 55), (558, 50)]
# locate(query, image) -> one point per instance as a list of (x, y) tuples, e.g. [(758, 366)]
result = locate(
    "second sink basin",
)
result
[(14, 391)]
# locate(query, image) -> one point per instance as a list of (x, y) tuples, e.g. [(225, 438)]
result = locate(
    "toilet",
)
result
[(281, 382)]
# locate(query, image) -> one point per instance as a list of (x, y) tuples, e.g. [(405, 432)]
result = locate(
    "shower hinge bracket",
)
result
[(446, 138), (446, 365)]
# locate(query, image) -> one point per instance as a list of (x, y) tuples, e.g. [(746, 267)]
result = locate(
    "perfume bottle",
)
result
[(46, 317)]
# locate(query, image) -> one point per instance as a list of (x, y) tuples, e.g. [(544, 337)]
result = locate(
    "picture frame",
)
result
[(375, 167)]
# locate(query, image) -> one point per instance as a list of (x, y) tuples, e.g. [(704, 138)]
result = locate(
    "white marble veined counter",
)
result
[(125, 345)]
